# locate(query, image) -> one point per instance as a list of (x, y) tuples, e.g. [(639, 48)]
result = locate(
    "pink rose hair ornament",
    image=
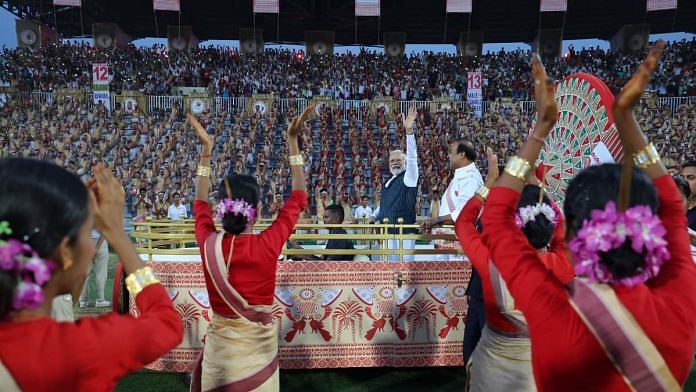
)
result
[(610, 228), (32, 272), (236, 207)]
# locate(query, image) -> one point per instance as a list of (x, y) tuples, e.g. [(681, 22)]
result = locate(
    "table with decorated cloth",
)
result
[(338, 314)]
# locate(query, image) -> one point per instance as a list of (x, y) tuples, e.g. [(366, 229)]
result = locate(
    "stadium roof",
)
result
[(422, 20)]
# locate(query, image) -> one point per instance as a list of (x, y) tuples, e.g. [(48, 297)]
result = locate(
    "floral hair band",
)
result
[(236, 207), (529, 213), (609, 229), (32, 272)]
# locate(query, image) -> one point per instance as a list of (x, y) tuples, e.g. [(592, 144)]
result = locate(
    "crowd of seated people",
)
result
[(153, 155), (287, 74)]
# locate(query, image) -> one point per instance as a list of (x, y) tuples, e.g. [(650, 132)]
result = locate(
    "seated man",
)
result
[(334, 215)]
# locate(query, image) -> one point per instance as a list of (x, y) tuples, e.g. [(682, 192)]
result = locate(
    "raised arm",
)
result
[(411, 176), (678, 275), (536, 290), (202, 180), (204, 224), (296, 160), (547, 111), (107, 199)]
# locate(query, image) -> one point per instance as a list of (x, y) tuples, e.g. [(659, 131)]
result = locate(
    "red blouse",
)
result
[(92, 353), (555, 260), (255, 256), (565, 354)]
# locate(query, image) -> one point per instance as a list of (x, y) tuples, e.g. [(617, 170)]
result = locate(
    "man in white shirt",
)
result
[(364, 211), (177, 210), (467, 180)]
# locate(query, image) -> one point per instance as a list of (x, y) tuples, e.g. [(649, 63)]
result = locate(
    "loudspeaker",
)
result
[(319, 43), (33, 34), (471, 44), (630, 38), (548, 43), (109, 35), (181, 41), (395, 44), (251, 41)]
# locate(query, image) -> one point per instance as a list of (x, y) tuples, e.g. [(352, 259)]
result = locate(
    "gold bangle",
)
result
[(646, 156), (483, 192), (518, 168), (296, 160), (203, 171), (138, 280)]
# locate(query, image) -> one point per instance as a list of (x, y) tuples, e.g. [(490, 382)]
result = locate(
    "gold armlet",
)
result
[(646, 156), (138, 280), (203, 171), (296, 160), (518, 168)]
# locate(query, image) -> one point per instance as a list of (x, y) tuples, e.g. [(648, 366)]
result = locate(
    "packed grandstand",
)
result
[(153, 151)]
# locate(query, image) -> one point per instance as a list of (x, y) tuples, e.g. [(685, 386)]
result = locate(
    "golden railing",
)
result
[(163, 237)]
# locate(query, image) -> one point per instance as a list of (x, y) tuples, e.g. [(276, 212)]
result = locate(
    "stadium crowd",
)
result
[(154, 155), (289, 74)]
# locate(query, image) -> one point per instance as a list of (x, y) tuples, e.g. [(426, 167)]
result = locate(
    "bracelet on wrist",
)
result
[(518, 168), (483, 192), (206, 155), (203, 171), (138, 280), (296, 160), (646, 156)]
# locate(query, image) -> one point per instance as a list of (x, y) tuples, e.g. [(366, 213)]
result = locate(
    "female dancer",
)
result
[(502, 359), (46, 218), (241, 346), (628, 322)]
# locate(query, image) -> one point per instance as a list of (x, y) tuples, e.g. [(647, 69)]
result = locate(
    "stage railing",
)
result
[(370, 240)]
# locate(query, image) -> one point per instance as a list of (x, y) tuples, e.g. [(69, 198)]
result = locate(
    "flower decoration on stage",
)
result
[(236, 207), (609, 229), (32, 272), (528, 214)]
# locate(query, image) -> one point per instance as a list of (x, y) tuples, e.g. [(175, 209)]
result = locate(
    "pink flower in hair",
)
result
[(607, 230), (236, 207), (41, 269), (28, 295), (24, 264)]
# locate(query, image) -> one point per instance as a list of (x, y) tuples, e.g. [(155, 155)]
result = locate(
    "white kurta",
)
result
[(467, 180)]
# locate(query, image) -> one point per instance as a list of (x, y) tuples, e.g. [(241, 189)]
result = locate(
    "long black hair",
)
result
[(242, 187), (590, 190), (43, 204), (539, 231)]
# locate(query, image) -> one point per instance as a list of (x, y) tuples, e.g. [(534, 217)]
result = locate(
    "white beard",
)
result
[(396, 172)]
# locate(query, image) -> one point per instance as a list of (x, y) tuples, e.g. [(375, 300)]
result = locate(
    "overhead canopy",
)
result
[(422, 20)]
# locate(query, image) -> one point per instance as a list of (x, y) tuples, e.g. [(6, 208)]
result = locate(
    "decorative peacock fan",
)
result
[(584, 134)]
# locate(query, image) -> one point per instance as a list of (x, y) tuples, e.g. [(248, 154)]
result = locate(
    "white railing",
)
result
[(166, 102), (237, 104), (675, 102), (230, 104)]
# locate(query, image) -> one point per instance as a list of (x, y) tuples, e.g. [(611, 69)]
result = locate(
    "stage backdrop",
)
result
[(340, 314)]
